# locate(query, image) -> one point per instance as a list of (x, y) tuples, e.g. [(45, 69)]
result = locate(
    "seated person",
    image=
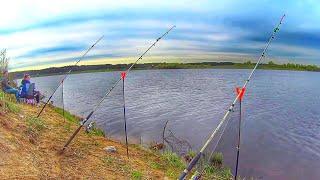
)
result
[(6, 86), (25, 84)]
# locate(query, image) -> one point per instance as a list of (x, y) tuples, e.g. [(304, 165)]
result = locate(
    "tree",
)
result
[(271, 63), (4, 60), (248, 62)]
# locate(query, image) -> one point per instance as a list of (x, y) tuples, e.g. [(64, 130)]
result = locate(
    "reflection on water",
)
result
[(281, 128)]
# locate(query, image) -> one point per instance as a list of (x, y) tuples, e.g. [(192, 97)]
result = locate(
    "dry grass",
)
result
[(29, 150)]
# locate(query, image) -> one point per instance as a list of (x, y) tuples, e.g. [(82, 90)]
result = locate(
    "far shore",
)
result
[(149, 66)]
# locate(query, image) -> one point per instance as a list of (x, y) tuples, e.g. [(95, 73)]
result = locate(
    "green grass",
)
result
[(96, 132), (126, 169), (74, 119), (155, 165), (70, 117), (107, 160), (10, 102), (173, 164), (35, 124), (191, 154), (137, 175), (212, 172), (215, 169), (217, 159), (1, 94), (172, 159), (12, 107)]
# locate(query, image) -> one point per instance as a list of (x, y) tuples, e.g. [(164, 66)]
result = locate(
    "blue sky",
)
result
[(41, 34)]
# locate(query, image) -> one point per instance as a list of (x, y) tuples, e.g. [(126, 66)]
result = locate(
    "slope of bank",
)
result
[(29, 149)]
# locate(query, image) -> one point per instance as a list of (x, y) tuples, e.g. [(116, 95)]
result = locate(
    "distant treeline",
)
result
[(202, 65)]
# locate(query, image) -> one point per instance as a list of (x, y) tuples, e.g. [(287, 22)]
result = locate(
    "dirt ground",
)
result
[(34, 154)]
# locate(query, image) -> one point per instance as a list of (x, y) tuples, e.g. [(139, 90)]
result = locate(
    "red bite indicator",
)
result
[(240, 92), (123, 75)]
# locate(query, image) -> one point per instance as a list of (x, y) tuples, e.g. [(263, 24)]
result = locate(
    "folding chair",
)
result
[(29, 98)]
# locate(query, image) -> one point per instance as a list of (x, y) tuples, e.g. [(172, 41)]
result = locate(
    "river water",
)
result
[(281, 116)]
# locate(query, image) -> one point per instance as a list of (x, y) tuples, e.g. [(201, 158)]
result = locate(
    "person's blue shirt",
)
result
[(24, 87)]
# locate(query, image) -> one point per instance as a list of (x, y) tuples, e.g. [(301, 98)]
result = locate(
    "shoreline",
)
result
[(137, 69), (158, 66)]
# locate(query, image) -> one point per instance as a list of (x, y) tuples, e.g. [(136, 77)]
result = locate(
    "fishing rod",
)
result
[(67, 74), (109, 91), (200, 153)]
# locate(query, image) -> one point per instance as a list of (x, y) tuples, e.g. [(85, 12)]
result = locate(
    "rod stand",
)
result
[(123, 77)]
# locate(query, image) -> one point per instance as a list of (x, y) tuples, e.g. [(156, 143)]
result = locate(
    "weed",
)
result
[(215, 169), (217, 159), (12, 107), (107, 160), (96, 132), (191, 154), (171, 173), (172, 159), (125, 169), (35, 124), (155, 165), (213, 172), (136, 175), (173, 163)]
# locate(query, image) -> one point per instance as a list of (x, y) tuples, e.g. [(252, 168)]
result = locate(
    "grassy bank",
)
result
[(29, 149)]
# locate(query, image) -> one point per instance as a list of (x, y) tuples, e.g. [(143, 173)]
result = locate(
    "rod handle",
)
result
[(71, 138), (190, 166)]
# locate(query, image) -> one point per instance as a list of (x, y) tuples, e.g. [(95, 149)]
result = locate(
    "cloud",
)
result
[(48, 33)]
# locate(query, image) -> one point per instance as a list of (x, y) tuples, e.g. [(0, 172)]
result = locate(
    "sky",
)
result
[(39, 34)]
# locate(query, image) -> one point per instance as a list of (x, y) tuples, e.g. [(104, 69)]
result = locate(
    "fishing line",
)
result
[(200, 153), (109, 91), (67, 74)]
